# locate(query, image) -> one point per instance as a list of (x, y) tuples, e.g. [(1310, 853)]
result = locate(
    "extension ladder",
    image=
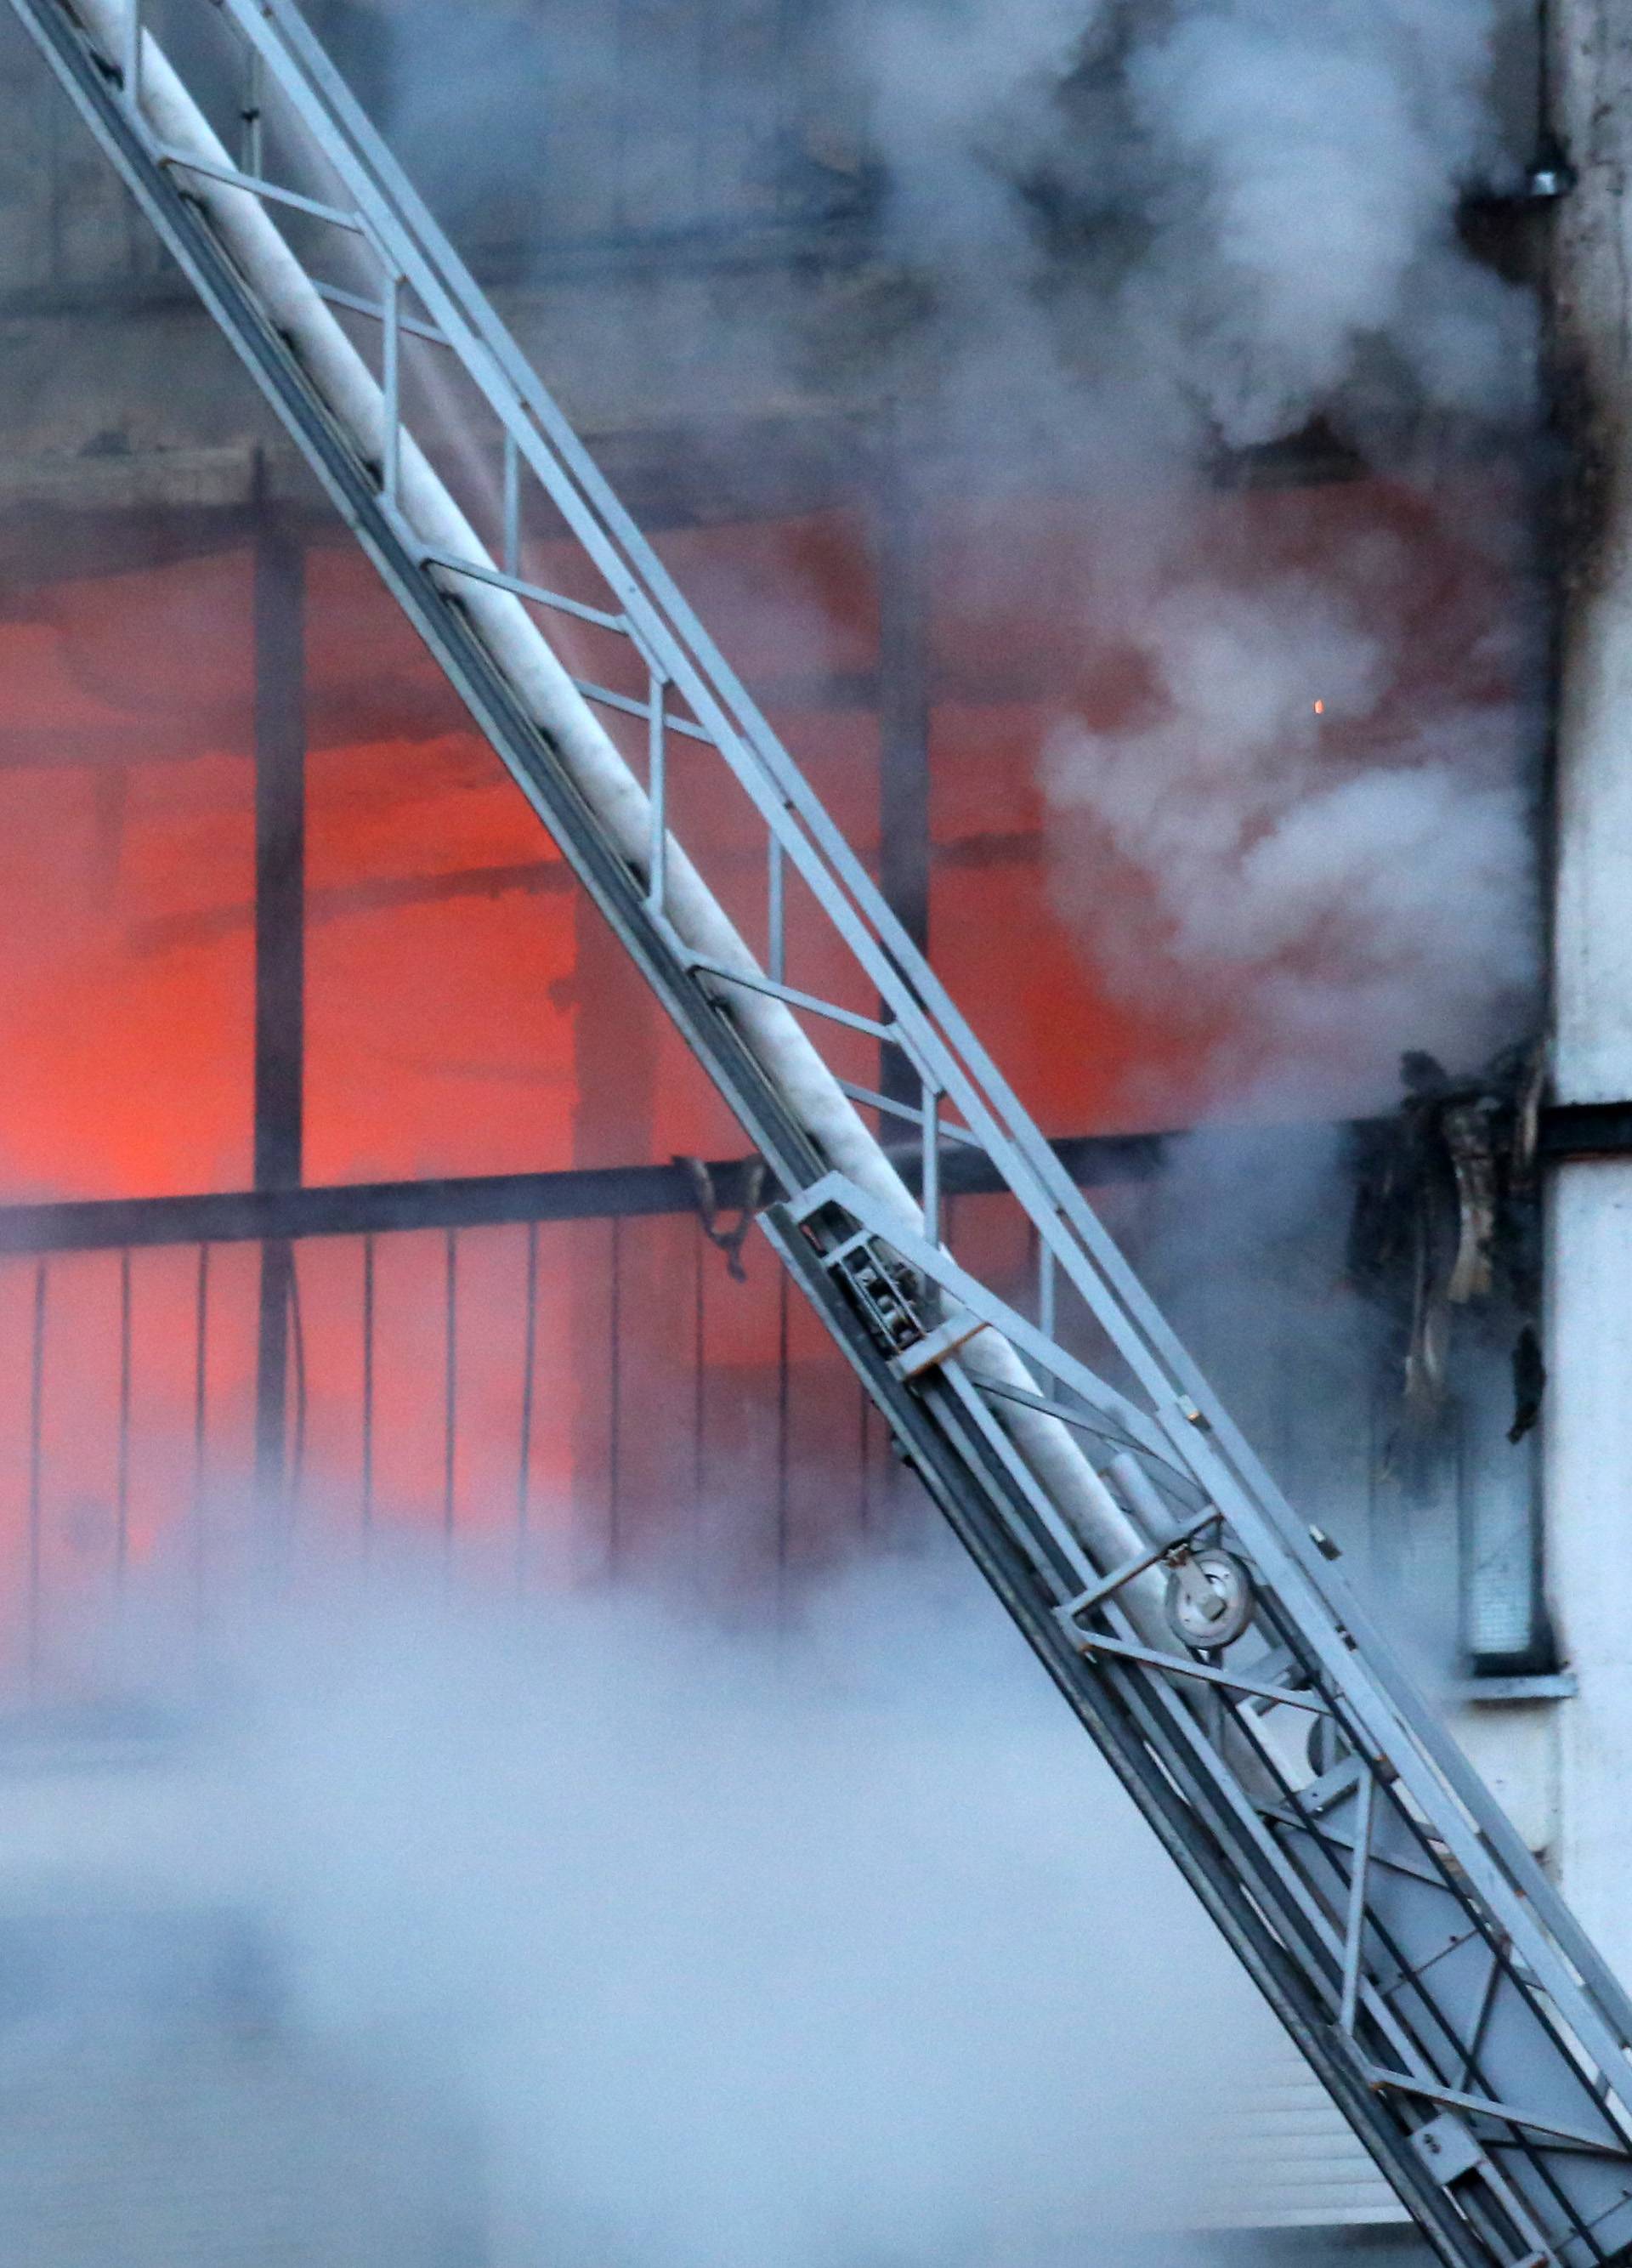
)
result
[(1427, 1970)]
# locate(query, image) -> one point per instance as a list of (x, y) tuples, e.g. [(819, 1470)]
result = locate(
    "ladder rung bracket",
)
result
[(483, 571), (606, 698), (1484, 2106), (1178, 1665), (254, 185), (1102, 1427), (1391, 1862), (790, 997), (1087, 1601), (356, 305), (894, 1108)]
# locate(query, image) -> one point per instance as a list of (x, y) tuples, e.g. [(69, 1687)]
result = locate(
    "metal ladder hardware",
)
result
[(1374, 1889)]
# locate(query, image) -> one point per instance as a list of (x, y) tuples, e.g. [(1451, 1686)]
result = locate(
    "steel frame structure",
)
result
[(1433, 1978)]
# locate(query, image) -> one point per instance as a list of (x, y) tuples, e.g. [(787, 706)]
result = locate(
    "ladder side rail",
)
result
[(1422, 2070)]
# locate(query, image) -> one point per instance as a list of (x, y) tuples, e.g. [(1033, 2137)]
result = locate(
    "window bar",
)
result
[(529, 1365), (513, 506), (657, 794), (931, 1197), (36, 1464), (699, 1388), (614, 1403), (122, 1470), (777, 913), (393, 383), (863, 1462), (368, 1395), (200, 1410), (784, 1433), (294, 1478), (449, 1387)]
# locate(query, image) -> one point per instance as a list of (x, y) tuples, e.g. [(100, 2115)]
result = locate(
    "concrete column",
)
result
[(1588, 1420)]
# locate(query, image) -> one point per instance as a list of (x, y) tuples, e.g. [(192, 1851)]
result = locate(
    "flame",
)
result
[(1319, 708)]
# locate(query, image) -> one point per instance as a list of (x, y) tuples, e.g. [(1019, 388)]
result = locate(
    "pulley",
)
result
[(1210, 1598)]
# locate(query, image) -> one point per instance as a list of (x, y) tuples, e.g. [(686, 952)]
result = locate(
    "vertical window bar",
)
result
[(784, 1358), (529, 1363), (657, 795), (932, 1161), (776, 957), (614, 1403), (367, 1394), (450, 1387), (392, 382), (513, 504), (699, 1379), (295, 1476), (36, 1466), (122, 1470), (201, 1410), (863, 1462)]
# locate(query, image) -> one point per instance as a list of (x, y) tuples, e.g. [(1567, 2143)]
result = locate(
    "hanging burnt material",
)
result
[(1446, 1218), (713, 1202)]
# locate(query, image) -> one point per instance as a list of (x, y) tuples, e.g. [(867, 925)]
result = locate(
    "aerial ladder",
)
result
[(1433, 1978)]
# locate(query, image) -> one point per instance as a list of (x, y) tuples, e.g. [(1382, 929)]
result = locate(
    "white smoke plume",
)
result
[(825, 1948), (1276, 189), (1309, 160), (1334, 873)]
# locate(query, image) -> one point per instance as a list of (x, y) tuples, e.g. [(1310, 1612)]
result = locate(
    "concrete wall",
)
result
[(1589, 1416)]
